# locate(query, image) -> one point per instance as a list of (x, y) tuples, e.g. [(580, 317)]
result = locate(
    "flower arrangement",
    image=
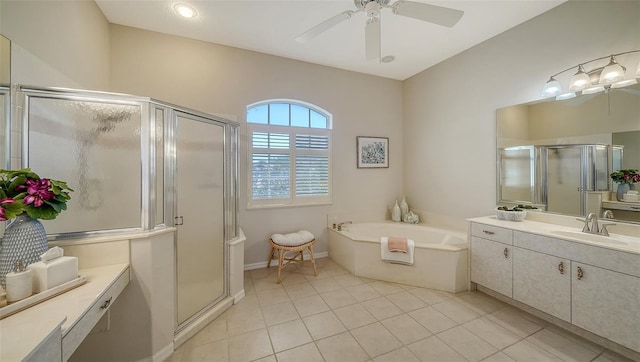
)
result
[(628, 176), (24, 191)]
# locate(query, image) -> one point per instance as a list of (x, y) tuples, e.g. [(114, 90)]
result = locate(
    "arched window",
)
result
[(289, 154)]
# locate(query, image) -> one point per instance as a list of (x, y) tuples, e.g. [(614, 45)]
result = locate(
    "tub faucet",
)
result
[(342, 223)]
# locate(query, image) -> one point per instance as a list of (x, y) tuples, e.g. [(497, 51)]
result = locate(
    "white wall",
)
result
[(223, 80), (57, 43), (449, 109)]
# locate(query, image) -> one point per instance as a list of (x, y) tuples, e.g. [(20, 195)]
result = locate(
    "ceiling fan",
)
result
[(430, 13)]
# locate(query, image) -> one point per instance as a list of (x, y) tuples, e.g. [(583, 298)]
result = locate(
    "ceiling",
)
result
[(270, 27)]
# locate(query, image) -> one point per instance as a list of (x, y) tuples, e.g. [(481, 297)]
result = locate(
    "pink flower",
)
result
[(38, 191), (4, 201)]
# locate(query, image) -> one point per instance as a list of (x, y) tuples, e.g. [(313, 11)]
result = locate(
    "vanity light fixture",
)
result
[(612, 73), (580, 80), (185, 10), (595, 80)]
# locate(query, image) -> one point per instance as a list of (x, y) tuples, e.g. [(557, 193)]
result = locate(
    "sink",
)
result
[(611, 239)]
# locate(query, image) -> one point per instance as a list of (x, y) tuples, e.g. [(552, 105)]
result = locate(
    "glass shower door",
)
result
[(199, 214), (564, 177)]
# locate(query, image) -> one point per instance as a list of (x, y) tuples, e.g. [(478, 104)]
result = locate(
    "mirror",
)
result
[(558, 154)]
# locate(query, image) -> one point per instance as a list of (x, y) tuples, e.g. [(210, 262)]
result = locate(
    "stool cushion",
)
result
[(293, 239)]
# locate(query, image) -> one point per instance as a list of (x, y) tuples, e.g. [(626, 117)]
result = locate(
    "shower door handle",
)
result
[(178, 220)]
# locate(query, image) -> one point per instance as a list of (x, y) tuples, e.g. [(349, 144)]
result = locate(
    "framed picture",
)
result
[(373, 152)]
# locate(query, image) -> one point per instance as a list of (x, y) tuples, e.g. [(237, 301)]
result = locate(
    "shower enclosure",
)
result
[(557, 177), (138, 164)]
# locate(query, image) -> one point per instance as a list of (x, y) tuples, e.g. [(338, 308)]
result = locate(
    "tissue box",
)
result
[(50, 274)]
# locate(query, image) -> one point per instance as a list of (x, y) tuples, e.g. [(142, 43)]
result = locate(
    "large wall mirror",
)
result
[(558, 154)]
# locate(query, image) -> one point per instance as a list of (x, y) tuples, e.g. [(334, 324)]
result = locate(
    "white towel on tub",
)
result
[(396, 257)]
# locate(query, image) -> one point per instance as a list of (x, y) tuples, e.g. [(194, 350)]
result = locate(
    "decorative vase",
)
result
[(404, 208), (622, 189), (24, 239), (395, 213)]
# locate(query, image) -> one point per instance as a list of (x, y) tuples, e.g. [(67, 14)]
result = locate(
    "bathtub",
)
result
[(440, 259)]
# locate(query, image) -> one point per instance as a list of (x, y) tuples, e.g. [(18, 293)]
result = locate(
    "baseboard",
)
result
[(164, 353), (238, 296), (263, 264)]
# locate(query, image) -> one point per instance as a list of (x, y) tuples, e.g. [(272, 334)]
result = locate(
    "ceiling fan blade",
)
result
[(372, 38), (431, 13), (324, 26)]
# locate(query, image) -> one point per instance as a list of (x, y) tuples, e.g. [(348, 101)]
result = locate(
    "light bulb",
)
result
[(185, 10)]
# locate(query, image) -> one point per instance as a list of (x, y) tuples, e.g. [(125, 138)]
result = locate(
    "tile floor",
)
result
[(339, 317)]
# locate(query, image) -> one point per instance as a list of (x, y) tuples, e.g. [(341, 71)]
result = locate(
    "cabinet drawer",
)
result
[(77, 333), (494, 233)]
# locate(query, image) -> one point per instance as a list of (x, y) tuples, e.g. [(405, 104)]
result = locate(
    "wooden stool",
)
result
[(295, 242)]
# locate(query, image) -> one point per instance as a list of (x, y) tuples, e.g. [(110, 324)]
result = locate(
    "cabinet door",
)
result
[(491, 265), (606, 303), (543, 282)]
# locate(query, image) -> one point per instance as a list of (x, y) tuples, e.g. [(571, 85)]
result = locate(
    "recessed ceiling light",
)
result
[(185, 10), (388, 59)]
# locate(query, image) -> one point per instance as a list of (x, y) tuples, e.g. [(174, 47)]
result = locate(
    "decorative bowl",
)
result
[(510, 215)]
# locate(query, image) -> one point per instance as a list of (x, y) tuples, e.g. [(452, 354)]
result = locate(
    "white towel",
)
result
[(395, 257)]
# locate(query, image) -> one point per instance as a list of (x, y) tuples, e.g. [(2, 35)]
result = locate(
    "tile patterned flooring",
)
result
[(339, 317)]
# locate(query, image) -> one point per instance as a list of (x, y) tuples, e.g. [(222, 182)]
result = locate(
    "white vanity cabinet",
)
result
[(543, 282), (591, 286), (606, 303), (491, 258)]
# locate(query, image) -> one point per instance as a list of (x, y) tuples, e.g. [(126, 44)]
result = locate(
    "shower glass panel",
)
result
[(564, 180), (516, 174), (159, 149), (199, 214), (94, 147)]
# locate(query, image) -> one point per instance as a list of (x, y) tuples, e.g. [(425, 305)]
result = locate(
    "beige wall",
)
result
[(57, 43), (223, 80), (450, 109)]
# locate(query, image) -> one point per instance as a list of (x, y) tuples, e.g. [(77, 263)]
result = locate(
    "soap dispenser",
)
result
[(18, 282)]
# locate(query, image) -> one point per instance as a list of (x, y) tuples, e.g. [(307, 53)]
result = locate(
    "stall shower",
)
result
[(139, 165)]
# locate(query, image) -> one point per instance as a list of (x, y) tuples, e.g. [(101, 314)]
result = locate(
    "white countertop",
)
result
[(626, 243), (23, 332)]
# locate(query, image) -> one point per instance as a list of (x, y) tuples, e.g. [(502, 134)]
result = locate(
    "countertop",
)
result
[(626, 243), (23, 332)]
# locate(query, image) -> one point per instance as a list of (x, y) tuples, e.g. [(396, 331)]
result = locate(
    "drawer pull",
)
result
[(561, 267), (506, 252), (580, 273), (488, 232), (635, 207), (106, 303)]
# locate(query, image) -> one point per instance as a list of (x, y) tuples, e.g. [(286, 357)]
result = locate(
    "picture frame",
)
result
[(372, 152)]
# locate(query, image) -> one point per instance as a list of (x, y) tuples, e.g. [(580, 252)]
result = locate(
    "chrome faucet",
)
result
[(607, 214), (594, 228), (342, 223)]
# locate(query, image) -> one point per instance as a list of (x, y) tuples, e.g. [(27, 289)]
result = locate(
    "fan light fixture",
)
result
[(185, 10), (373, 9), (593, 81)]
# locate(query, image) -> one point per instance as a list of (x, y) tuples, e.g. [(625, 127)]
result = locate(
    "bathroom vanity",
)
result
[(53, 329), (579, 281)]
